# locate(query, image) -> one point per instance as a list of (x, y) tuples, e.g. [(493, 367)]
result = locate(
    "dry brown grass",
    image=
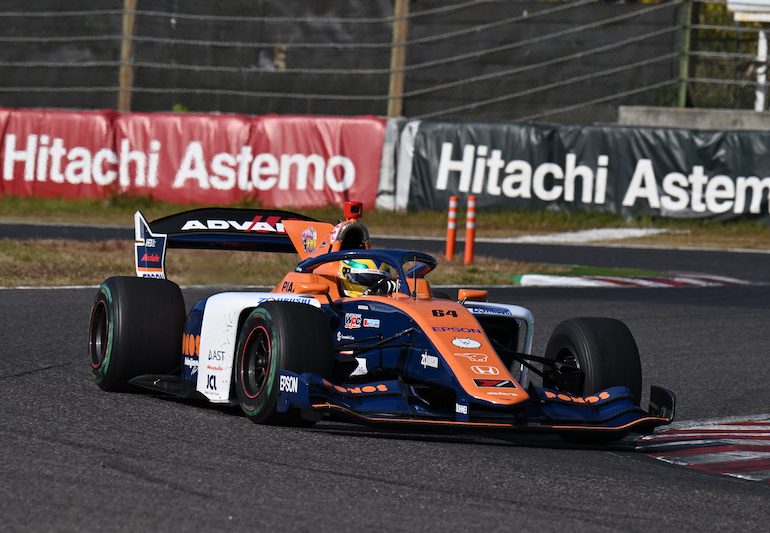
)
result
[(750, 234), (56, 262)]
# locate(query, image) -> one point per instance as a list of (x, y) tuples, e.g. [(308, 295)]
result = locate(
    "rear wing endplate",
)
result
[(209, 229)]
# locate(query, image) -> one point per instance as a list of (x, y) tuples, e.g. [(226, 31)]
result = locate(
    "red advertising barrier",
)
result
[(278, 161)]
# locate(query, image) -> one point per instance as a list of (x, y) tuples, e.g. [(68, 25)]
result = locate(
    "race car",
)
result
[(357, 332)]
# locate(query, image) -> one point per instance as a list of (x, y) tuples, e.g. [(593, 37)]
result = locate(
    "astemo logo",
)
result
[(225, 171)]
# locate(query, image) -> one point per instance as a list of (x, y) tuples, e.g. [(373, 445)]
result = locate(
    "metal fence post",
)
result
[(760, 94), (684, 56), (126, 74), (398, 58)]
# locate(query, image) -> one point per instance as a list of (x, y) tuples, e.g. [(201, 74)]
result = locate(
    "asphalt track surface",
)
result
[(749, 266), (75, 458)]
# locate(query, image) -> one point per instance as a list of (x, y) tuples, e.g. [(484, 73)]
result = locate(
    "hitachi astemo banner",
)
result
[(299, 161), (665, 172)]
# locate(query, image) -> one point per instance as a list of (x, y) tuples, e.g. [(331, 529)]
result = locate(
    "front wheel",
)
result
[(279, 335), (602, 349)]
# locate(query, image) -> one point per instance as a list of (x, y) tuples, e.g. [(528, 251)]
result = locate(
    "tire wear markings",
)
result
[(731, 447)]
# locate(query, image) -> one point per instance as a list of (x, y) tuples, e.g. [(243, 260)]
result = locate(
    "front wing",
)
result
[(394, 403)]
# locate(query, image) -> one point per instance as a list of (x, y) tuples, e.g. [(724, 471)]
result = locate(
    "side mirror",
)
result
[(474, 295)]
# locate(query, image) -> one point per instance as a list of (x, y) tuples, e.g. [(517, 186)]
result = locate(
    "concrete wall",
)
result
[(705, 119)]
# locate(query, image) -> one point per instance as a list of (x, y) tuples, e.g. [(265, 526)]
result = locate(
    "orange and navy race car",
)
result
[(357, 332)]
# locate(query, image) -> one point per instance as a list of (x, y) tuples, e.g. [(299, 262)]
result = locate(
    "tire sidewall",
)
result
[(103, 303), (258, 408)]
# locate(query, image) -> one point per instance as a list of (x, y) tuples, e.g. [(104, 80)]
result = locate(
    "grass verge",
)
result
[(59, 262), (118, 210)]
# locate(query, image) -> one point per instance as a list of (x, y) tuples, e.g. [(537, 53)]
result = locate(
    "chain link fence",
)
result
[(561, 61)]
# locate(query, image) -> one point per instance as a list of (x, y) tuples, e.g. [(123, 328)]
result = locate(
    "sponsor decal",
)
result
[(363, 307), (499, 393), (216, 355), (214, 368), (309, 239), (456, 329), (475, 357), (466, 343), (287, 298), (191, 344), (497, 383), (489, 311), (211, 382), (485, 370), (218, 159), (641, 184), (361, 369), (604, 395), (461, 409), (441, 312), (352, 321), (270, 224), (371, 322), (366, 389), (243, 170), (287, 286), (149, 249), (288, 384), (427, 360), (341, 337), (192, 364)]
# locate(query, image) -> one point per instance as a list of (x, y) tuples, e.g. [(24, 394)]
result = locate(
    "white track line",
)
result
[(700, 423), (507, 240), (713, 458)]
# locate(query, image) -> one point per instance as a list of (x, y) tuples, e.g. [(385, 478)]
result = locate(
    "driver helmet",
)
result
[(357, 275)]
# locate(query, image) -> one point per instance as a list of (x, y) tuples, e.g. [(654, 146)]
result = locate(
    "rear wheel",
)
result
[(604, 351), (279, 335), (135, 328)]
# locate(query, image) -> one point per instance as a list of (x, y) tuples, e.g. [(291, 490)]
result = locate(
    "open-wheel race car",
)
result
[(357, 332)]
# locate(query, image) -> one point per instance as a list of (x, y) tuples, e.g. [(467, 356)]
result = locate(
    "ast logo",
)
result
[(485, 370), (289, 384), (352, 321), (465, 342), (427, 360), (216, 355), (475, 357)]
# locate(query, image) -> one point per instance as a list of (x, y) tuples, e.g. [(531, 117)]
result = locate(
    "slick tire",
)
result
[(135, 329), (288, 335), (603, 349)]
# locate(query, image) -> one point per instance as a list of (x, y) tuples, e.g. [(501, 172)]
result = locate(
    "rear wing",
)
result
[(219, 228)]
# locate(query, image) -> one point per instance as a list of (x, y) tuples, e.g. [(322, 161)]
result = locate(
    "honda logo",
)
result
[(485, 370)]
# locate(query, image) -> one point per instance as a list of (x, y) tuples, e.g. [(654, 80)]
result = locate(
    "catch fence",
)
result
[(561, 61)]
